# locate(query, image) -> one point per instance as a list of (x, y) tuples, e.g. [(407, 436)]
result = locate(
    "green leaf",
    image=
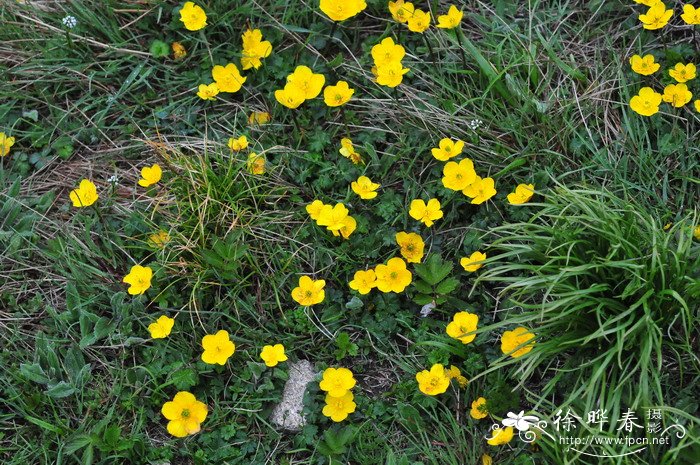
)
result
[(111, 435), (184, 379), (422, 287), (60, 390), (434, 269), (345, 346), (422, 299), (447, 286), (33, 372), (159, 49), (354, 303)]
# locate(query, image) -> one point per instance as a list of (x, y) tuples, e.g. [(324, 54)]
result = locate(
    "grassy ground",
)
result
[(81, 381)]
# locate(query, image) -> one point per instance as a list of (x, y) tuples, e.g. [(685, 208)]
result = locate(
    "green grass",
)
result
[(613, 298), (82, 383)]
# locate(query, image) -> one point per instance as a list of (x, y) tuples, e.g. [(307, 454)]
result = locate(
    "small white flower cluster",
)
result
[(114, 179), (475, 124), (70, 22)]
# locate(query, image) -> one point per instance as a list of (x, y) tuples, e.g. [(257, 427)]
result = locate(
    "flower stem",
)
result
[(296, 123), (430, 48), (458, 32)]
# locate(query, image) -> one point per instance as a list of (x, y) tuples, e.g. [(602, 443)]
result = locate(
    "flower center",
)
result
[(185, 413)]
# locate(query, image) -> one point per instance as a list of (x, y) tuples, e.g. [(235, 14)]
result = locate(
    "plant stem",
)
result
[(458, 32), (206, 42), (430, 48), (296, 123)]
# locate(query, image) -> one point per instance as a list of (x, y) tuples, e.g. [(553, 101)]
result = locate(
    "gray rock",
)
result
[(288, 413)]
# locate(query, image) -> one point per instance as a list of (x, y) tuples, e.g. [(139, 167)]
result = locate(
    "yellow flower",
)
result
[(522, 194), (290, 96), (691, 15), (471, 263), (646, 103), (238, 144), (308, 83), (5, 144), (391, 74), (272, 355), (159, 239), (486, 459), (512, 339), (218, 348), (348, 151), (393, 277), (208, 91), (256, 163), (457, 176), (85, 195), (480, 190), (478, 410), (363, 281), (401, 10), (193, 16), (463, 326), (138, 279), (314, 209), (228, 78), (179, 51), (696, 233), (185, 414), (447, 148), (425, 213), (309, 292), (338, 408), (365, 188), (387, 52), (150, 175), (455, 373), (677, 94), (647, 2), (656, 17), (349, 226), (333, 217), (337, 95), (259, 118), (683, 73), (697, 105), (644, 65), (412, 246), (254, 49), (161, 328), (501, 436), (419, 21), (340, 10), (337, 381), (433, 382), (451, 20)]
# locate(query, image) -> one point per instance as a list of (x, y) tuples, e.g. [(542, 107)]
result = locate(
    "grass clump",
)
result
[(612, 294)]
